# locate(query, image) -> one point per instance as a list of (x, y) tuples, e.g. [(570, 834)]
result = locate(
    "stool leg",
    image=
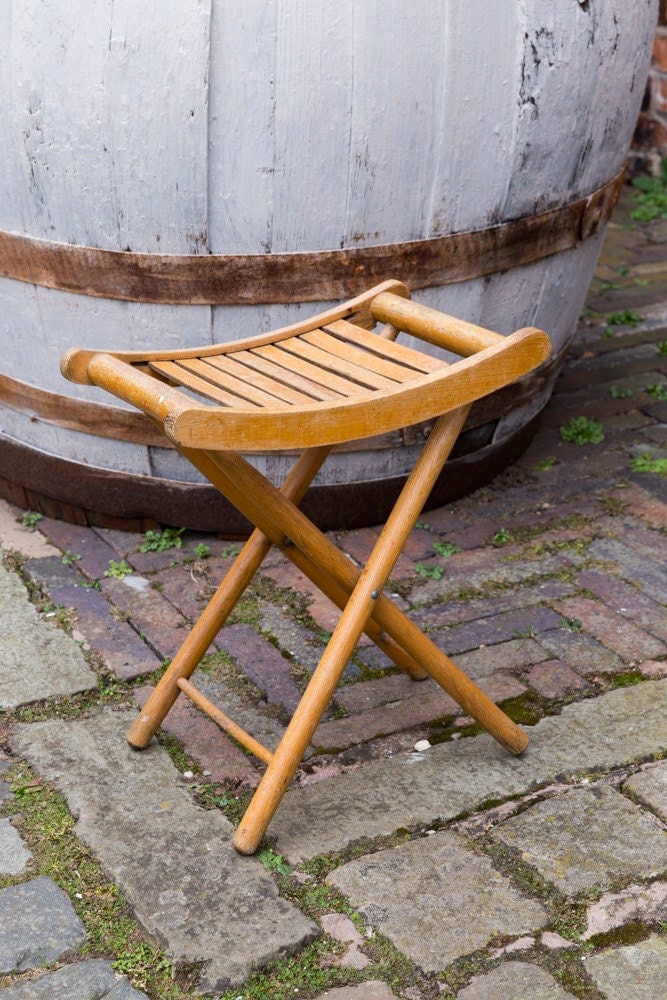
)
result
[(319, 558), (358, 610), (308, 547), (218, 609), (303, 724), (198, 640)]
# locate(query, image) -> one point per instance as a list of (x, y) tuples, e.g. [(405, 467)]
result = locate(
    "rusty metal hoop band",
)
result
[(253, 279)]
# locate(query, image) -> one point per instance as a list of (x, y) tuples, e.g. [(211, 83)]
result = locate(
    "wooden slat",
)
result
[(237, 366), (326, 385), (261, 362), (234, 380), (179, 376), (349, 352), (385, 348), (358, 376)]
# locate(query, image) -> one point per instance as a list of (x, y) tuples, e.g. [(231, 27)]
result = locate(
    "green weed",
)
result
[(616, 392), (230, 551), (581, 431), (161, 541), (274, 862), (118, 569), (546, 463), (646, 463), (502, 537), (202, 551), (651, 196), (427, 572), (626, 317), (446, 548), (657, 391), (69, 558), (30, 518)]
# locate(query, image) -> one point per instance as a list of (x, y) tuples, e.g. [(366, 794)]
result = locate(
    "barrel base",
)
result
[(84, 495)]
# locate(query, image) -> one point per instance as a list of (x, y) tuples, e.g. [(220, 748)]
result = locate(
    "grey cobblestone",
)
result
[(39, 925), (92, 980), (14, 855), (436, 899), (38, 660), (588, 838), (650, 788), (638, 971), (515, 981)]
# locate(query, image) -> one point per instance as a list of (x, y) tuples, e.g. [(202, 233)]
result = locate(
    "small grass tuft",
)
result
[(161, 541), (651, 196), (546, 464), (581, 431), (118, 569), (446, 549), (657, 391), (502, 537), (647, 463), (626, 317), (429, 572), (30, 519)]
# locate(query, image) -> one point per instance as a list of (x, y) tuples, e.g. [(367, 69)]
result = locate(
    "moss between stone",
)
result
[(45, 824)]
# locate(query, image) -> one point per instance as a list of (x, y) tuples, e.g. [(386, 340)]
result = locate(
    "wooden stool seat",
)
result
[(332, 379)]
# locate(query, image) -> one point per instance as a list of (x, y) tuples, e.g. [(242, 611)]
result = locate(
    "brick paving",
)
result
[(554, 603)]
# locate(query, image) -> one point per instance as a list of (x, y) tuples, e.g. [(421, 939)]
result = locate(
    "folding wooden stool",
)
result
[(311, 386)]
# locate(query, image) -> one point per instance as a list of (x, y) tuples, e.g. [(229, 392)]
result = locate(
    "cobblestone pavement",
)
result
[(452, 870)]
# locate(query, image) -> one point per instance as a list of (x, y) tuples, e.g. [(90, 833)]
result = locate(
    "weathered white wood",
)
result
[(37, 323), (241, 123), (476, 124), (110, 122), (83, 449), (568, 136)]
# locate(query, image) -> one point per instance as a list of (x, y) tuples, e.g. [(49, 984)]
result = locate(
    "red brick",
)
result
[(626, 600), (514, 655), (554, 679), (518, 623), (204, 742), (94, 551), (186, 589), (262, 663), (643, 504), (365, 695), (660, 50), (323, 611), (405, 714), (430, 704), (120, 648), (454, 612), (653, 669), (613, 630), (162, 625), (359, 544)]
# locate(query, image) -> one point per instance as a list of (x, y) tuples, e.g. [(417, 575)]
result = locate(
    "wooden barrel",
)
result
[(177, 174)]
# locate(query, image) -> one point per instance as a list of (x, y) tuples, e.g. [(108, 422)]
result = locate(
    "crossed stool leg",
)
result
[(281, 523)]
